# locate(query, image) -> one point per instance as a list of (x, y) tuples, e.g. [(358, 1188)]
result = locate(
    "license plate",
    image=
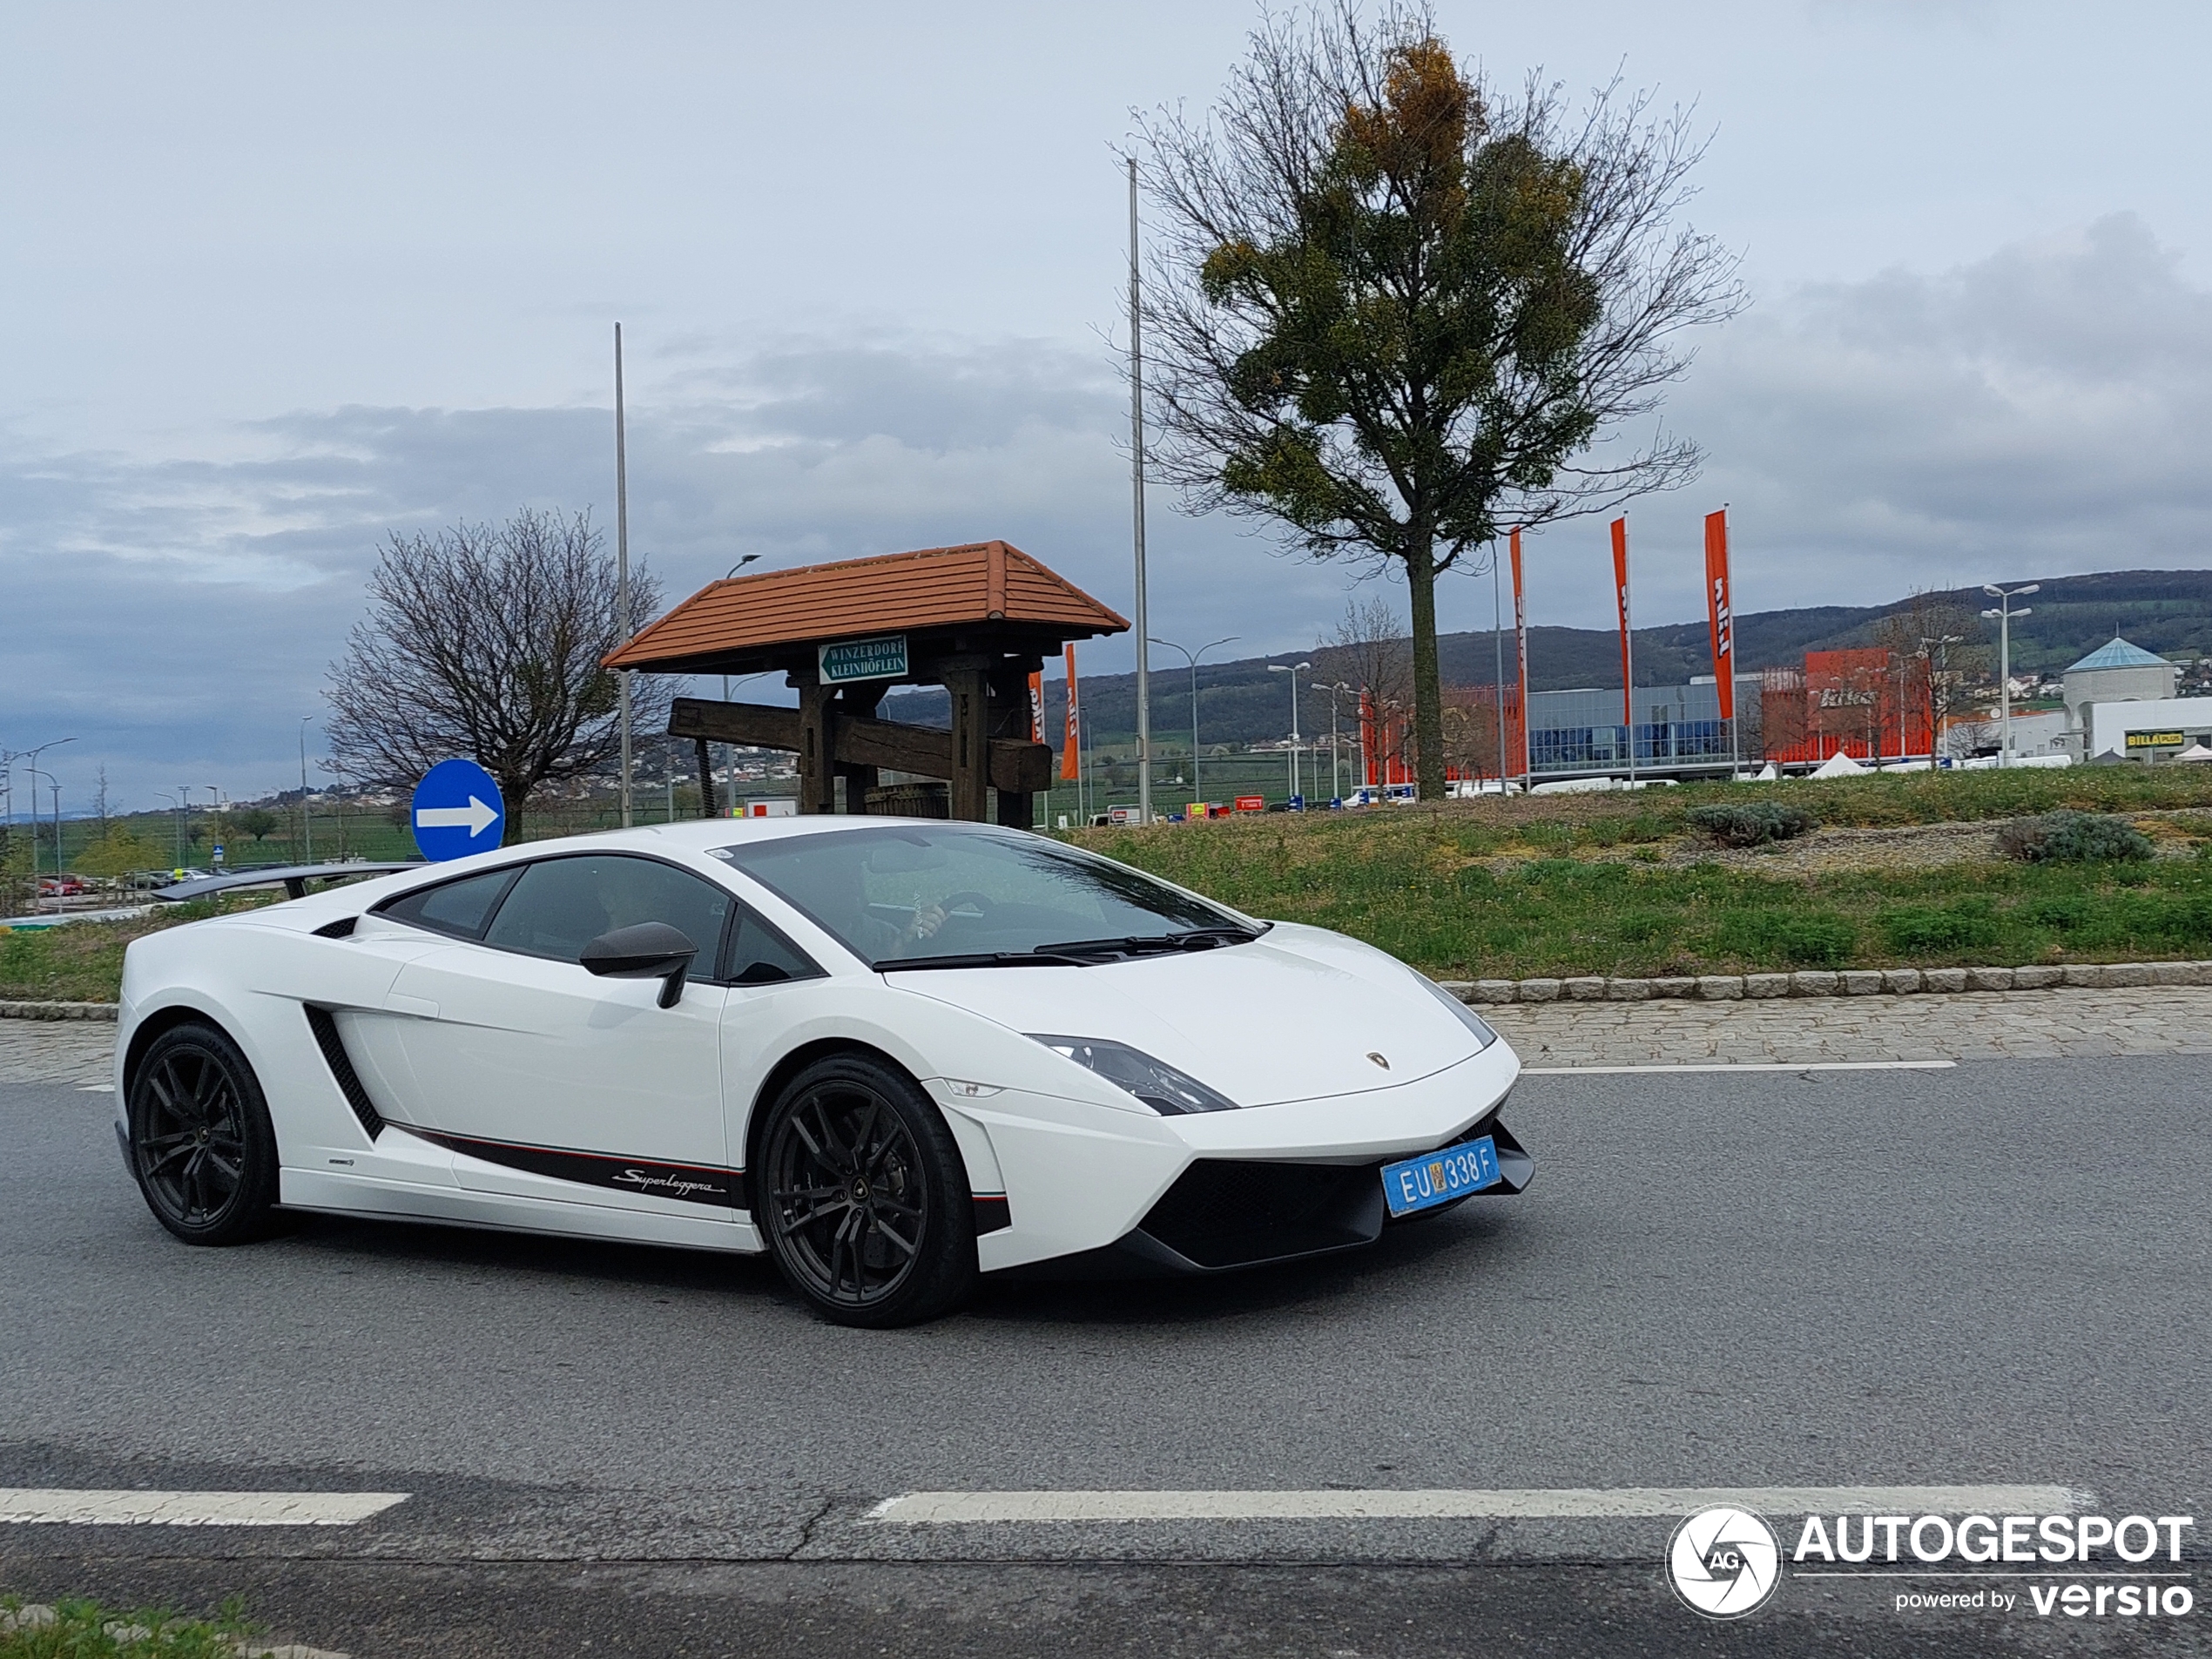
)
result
[(1439, 1178)]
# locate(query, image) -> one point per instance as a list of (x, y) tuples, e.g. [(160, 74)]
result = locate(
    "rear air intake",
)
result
[(341, 1067)]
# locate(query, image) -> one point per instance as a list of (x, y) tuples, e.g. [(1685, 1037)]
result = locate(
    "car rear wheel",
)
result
[(201, 1145), (862, 1196)]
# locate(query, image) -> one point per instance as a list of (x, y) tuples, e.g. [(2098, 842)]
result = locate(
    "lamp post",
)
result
[(176, 826), (2004, 613), (307, 824), (1336, 766), (1191, 658), (730, 750), (32, 756), (1292, 668)]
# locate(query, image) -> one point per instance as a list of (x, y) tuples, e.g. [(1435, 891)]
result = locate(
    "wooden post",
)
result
[(971, 780), (709, 807), (817, 742), (858, 701), (1009, 717)]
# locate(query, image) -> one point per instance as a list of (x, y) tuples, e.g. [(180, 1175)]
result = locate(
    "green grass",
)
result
[(1518, 889), (1494, 893), (84, 1629), (83, 961)]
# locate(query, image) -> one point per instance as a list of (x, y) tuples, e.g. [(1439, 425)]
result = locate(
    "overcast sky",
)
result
[(281, 278)]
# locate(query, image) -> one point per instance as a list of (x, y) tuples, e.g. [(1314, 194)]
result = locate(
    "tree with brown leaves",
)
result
[(1398, 312)]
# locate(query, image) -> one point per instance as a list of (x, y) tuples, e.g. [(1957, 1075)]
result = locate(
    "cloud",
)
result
[(2035, 413), (2039, 411)]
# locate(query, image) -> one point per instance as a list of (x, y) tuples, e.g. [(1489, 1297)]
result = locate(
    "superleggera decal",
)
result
[(690, 1183)]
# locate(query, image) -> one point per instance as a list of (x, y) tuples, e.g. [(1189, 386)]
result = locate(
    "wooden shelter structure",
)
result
[(977, 619)]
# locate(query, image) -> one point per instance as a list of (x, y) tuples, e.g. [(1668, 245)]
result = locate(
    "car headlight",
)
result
[(1484, 1036), (1167, 1091)]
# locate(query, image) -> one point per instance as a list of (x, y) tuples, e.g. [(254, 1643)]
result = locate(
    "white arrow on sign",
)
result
[(477, 816)]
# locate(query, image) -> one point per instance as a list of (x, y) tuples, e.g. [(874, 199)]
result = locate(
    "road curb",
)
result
[(1706, 988), (1887, 981)]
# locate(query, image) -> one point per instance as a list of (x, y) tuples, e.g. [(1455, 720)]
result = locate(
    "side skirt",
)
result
[(369, 1197)]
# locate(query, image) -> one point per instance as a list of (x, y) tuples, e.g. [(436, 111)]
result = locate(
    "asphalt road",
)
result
[(1994, 1274)]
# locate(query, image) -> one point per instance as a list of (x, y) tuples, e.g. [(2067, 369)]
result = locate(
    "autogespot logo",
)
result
[(1724, 1563)]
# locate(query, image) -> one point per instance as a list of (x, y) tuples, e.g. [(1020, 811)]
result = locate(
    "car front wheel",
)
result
[(862, 1196), (201, 1145)]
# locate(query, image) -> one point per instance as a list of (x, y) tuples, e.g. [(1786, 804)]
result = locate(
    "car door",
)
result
[(550, 1082)]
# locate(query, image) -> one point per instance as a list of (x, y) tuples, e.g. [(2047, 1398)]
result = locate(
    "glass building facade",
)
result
[(1571, 732)]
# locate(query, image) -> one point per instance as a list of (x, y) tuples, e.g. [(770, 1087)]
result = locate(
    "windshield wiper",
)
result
[(1043, 956), (1155, 944)]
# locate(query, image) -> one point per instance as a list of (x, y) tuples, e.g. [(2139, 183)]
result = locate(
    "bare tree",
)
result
[(1938, 647), (1399, 312), (1368, 651), (485, 640)]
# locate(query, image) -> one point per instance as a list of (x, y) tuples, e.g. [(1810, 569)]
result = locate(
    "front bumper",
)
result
[(1225, 1215)]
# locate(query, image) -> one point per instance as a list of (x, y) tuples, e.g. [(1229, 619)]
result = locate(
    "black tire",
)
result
[(861, 1195), (201, 1145)]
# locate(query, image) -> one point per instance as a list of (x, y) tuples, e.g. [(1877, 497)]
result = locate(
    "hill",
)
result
[(2168, 611)]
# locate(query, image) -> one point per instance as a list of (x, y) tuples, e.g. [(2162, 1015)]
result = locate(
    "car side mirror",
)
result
[(649, 950)]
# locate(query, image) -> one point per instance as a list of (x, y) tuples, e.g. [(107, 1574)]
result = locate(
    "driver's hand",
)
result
[(928, 919)]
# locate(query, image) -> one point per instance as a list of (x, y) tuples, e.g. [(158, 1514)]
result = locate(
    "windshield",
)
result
[(972, 895)]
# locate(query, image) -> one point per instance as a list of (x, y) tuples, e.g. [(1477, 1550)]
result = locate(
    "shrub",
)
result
[(2068, 837), (1750, 823)]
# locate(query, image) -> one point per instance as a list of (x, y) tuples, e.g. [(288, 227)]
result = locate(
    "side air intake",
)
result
[(341, 1067)]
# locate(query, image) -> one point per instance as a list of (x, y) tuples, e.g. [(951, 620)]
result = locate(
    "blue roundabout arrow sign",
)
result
[(457, 811)]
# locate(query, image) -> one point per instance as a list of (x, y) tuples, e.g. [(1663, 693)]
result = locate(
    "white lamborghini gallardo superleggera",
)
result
[(891, 1054)]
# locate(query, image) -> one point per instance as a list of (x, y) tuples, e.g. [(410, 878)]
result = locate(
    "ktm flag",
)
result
[(1037, 708), (1521, 644), (1621, 592), (1717, 608), (1070, 756)]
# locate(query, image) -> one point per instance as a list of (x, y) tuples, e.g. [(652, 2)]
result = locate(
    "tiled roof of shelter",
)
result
[(2119, 654), (983, 583)]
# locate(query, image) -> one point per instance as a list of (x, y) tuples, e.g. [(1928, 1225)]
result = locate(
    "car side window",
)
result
[(458, 908), (760, 956), (560, 905)]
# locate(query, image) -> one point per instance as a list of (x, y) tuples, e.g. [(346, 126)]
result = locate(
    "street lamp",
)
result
[(1336, 767), (32, 756), (35, 774), (730, 750), (1292, 668), (176, 827), (307, 824), (1191, 658), (2004, 613)]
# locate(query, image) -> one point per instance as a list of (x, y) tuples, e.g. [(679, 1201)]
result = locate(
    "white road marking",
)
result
[(956, 1508), (1752, 1065), (66, 1507), (96, 1089)]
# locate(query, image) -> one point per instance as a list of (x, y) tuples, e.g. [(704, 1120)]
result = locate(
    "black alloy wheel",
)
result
[(863, 1197), (201, 1145)]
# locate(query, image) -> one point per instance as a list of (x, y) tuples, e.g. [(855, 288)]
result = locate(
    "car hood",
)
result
[(1295, 1015)]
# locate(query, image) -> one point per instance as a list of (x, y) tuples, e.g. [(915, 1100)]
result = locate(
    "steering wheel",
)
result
[(982, 901)]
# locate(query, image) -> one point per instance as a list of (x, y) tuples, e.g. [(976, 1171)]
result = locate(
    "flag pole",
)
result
[(622, 571), (1136, 486)]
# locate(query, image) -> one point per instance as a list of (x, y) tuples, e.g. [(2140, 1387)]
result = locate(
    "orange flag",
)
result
[(1037, 708), (1071, 756), (1520, 640), (1621, 592), (1718, 611)]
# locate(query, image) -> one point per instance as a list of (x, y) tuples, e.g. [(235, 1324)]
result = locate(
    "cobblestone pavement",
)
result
[(1972, 1025), (55, 1051)]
